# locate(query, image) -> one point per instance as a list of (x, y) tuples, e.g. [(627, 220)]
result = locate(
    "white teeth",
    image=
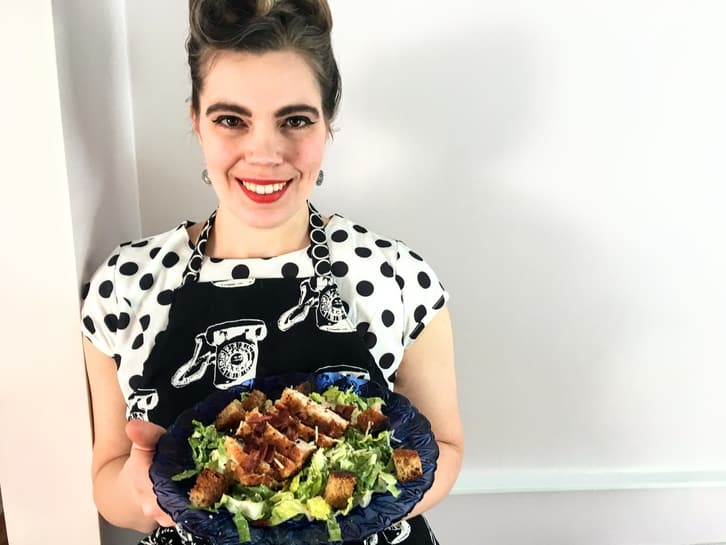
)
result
[(263, 189)]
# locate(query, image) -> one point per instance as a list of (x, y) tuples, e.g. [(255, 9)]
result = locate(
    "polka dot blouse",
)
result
[(390, 291)]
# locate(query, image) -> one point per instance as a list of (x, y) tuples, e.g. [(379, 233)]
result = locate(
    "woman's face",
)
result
[(262, 132)]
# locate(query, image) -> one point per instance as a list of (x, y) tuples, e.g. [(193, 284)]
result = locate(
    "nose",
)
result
[(263, 146)]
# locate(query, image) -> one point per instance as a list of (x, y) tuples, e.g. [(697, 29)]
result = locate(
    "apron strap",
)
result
[(319, 252)]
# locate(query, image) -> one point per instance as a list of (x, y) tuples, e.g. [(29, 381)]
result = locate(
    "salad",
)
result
[(313, 455)]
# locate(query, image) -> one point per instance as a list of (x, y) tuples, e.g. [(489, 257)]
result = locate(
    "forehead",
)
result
[(260, 81)]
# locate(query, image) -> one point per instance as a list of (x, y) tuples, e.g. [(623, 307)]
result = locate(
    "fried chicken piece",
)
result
[(339, 487), (297, 451), (208, 488), (231, 416), (314, 414), (371, 420), (408, 464)]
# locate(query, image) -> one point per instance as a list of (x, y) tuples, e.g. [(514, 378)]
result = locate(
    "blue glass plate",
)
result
[(173, 455)]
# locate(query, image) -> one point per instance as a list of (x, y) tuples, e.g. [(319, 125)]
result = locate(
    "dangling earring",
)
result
[(205, 177), (320, 179)]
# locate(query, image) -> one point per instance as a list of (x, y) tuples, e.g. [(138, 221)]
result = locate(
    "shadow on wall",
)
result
[(535, 298), (96, 111)]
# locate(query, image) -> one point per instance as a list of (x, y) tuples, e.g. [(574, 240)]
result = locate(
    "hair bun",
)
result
[(317, 12)]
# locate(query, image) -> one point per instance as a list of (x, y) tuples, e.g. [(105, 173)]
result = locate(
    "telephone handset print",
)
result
[(230, 347)]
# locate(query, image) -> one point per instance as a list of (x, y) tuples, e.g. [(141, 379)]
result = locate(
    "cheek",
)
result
[(218, 152), (308, 154)]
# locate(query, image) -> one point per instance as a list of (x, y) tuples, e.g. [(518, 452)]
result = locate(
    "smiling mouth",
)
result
[(264, 187)]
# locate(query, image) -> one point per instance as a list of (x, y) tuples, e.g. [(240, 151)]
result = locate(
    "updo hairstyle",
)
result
[(259, 26)]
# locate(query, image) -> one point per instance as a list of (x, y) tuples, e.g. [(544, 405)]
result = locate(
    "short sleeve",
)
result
[(99, 309), (422, 293)]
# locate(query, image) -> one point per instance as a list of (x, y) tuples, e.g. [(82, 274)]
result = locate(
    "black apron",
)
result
[(220, 334)]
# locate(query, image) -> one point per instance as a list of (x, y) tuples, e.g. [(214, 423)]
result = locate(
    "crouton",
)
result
[(371, 421), (231, 416), (208, 489), (408, 464), (339, 488), (256, 399)]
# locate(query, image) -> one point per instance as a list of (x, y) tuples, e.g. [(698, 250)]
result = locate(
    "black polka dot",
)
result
[(241, 271), (138, 341), (392, 378), (364, 288), (84, 290), (400, 282), (360, 228), (386, 360), (146, 281), (415, 255), (105, 289), (417, 331), (363, 252), (370, 340), (289, 270), (362, 328), (383, 243), (339, 236), (114, 259), (322, 268), (420, 313), (125, 243), (154, 252), (316, 221), (129, 269), (164, 297), (216, 259), (387, 270), (388, 318), (89, 325), (423, 280), (110, 320), (170, 260), (117, 359), (340, 269), (123, 320), (317, 236), (136, 382), (145, 321), (440, 303), (140, 244)]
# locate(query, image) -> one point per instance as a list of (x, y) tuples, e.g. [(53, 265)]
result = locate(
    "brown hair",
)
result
[(259, 26)]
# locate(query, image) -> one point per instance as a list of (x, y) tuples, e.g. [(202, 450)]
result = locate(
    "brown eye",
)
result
[(297, 122), (228, 121)]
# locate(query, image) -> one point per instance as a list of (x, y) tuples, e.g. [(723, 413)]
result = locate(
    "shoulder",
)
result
[(147, 265)]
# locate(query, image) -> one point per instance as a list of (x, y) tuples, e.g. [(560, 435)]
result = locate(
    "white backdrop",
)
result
[(561, 165)]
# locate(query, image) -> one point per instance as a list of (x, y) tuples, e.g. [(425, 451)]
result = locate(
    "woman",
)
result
[(266, 285)]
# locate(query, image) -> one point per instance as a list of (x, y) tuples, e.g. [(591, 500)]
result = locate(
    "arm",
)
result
[(120, 468), (426, 377)]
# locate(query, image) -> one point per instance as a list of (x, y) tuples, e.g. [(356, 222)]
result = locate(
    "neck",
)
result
[(233, 239)]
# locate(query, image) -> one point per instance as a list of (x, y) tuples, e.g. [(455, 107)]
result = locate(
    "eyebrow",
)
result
[(282, 112)]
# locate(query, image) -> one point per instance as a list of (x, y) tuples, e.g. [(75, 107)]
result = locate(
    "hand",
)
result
[(144, 436)]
